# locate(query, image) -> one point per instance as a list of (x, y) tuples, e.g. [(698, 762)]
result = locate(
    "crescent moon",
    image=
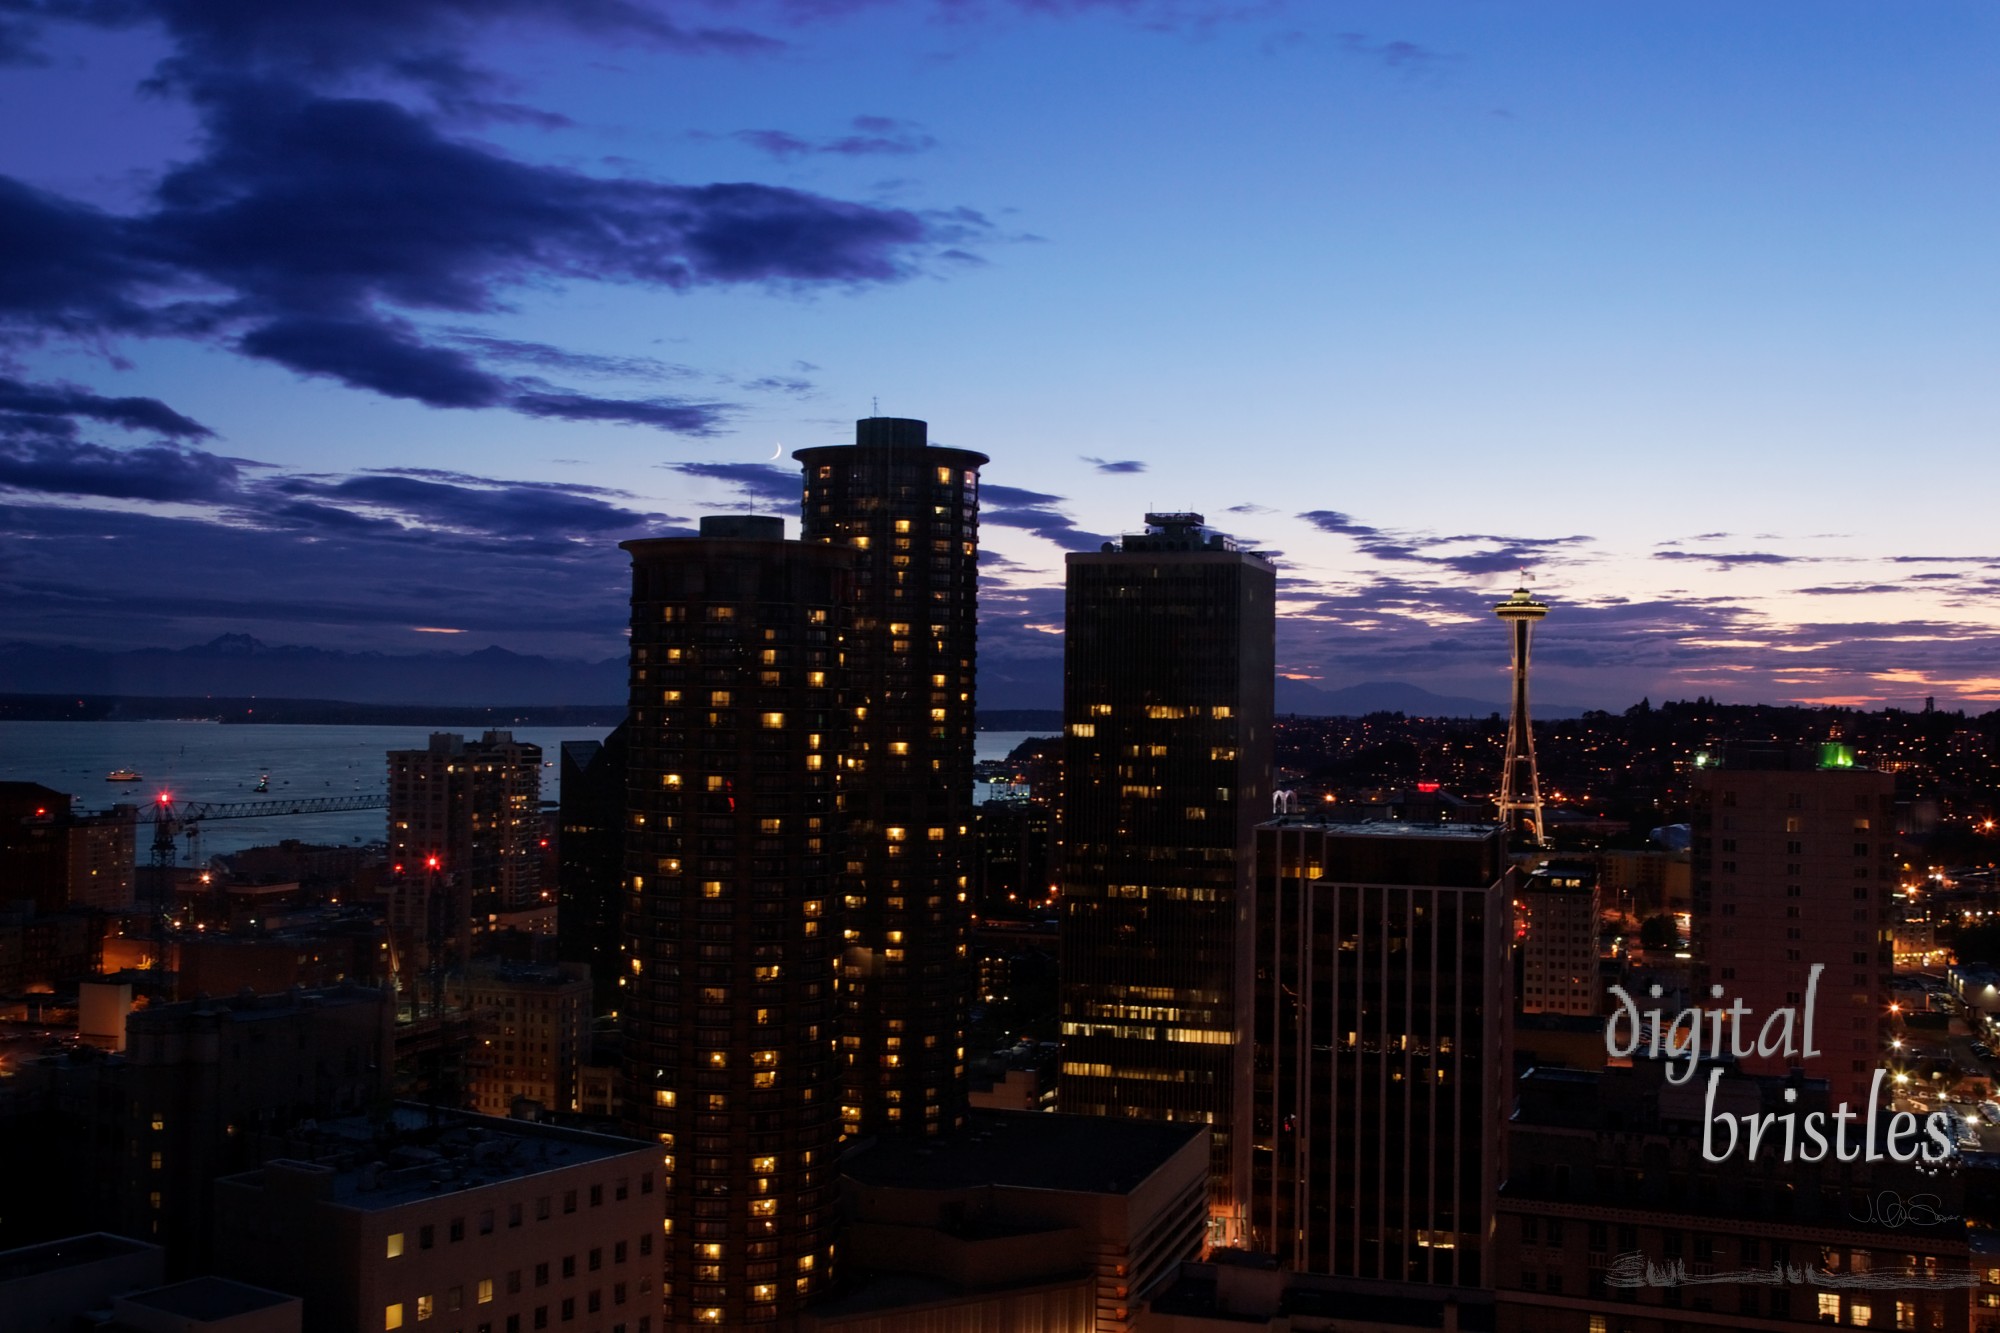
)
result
[(776, 450)]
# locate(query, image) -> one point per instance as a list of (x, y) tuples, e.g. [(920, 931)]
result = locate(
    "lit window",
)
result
[(395, 1246), (424, 1308), (937, 835), (392, 1317), (661, 1097), (1083, 729), (899, 747), (670, 780), (895, 834), (718, 698), (773, 721), (486, 1291)]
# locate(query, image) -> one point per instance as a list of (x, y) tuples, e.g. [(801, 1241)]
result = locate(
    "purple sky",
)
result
[(380, 322)]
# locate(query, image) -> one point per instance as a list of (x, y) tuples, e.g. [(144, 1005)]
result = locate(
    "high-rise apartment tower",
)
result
[(907, 512), (1167, 681), (736, 729)]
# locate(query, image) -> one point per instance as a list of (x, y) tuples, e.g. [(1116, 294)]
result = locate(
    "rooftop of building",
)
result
[(1211, 1291), (206, 1299), (249, 1007), (1779, 757), (414, 1154), (505, 972), (1578, 877), (70, 1252), (1025, 1150), (1186, 533)]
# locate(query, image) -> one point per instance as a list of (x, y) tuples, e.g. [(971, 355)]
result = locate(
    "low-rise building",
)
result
[(1021, 1220), (468, 1220)]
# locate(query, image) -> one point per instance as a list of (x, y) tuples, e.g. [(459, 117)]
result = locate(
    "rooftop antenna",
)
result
[(874, 407)]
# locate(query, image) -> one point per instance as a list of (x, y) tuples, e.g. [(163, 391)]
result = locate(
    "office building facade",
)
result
[(908, 513), (734, 828), (1167, 682), (1381, 1047)]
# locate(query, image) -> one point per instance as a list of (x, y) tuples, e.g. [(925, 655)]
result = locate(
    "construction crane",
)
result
[(170, 820)]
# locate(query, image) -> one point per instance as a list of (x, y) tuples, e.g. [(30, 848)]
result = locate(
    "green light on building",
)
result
[(1835, 755)]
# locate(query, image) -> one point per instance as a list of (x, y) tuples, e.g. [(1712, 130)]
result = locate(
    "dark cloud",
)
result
[(879, 135), (375, 354), (1398, 55), (54, 408), (757, 481), (321, 570), (416, 39), (517, 351), (674, 414), (311, 228), (1495, 554), (17, 44), (1332, 520), (161, 472), (1731, 559), (1944, 559), (1115, 466), (1849, 589), (499, 509), (1256, 509), (792, 384)]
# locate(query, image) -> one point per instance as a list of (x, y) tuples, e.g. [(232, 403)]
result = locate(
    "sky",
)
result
[(378, 323)]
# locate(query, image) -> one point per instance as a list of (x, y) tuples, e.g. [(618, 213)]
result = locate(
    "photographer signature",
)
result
[(1892, 1210)]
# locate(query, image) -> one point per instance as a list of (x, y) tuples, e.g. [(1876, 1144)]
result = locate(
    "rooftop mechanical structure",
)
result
[(1520, 798)]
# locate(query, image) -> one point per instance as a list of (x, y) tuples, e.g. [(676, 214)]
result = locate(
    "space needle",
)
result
[(1520, 790)]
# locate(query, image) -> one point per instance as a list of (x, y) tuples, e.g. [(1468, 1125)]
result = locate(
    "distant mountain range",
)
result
[(238, 666)]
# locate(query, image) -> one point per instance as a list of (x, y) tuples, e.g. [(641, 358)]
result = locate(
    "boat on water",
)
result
[(263, 782), (121, 775)]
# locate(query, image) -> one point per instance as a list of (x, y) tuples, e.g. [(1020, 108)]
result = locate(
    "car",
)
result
[(1991, 1110), (1982, 1050)]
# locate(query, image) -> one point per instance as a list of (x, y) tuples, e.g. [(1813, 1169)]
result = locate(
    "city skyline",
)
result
[(1649, 303)]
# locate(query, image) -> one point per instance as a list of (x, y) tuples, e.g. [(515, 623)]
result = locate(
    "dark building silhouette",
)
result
[(1381, 1047), (1167, 679), (737, 728), (1794, 864), (198, 1091), (1605, 1165), (60, 858), (590, 845), (909, 513)]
